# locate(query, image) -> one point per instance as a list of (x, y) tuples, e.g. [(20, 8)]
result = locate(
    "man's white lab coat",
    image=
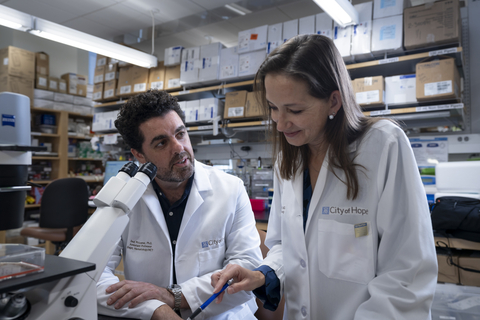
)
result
[(218, 227), (389, 271)]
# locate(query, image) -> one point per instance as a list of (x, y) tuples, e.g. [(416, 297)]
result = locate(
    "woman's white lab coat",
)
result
[(218, 227), (389, 271)]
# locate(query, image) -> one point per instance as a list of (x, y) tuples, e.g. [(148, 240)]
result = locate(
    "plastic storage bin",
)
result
[(456, 302)]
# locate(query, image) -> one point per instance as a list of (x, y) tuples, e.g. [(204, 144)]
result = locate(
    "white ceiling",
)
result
[(177, 22)]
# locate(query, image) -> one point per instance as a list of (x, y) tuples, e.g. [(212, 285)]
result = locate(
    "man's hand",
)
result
[(137, 292), (164, 312), (243, 279)]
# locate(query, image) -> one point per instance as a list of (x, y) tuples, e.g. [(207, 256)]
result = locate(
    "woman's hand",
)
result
[(243, 279)]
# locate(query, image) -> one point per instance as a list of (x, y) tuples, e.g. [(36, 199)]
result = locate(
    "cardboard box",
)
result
[(189, 69), (387, 8), (229, 63), (99, 74), (342, 37), (156, 77), (248, 63), (42, 64), (41, 81), (72, 81), (387, 34), (369, 91), (53, 84), (125, 80), (82, 82), (437, 79), (306, 25), (469, 260), (173, 56), (210, 60), (110, 89), (362, 32), (101, 60), (98, 91), (324, 25), (400, 89), (172, 77), (252, 107), (139, 79), (62, 97), (432, 24), (17, 85), (17, 62), (62, 86), (290, 29), (235, 104), (252, 39), (446, 272), (111, 72), (274, 36)]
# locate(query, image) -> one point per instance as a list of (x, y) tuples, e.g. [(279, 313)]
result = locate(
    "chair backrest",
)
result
[(64, 203)]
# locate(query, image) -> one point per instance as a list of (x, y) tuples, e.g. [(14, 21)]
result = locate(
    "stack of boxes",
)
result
[(241, 104), (17, 72), (252, 46)]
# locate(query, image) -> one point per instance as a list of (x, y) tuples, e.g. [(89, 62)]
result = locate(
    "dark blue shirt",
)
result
[(269, 293), (173, 214)]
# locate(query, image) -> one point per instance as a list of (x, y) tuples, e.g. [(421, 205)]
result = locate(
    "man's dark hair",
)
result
[(140, 108)]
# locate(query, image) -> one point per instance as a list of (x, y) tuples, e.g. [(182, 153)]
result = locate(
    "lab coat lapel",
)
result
[(201, 183), (151, 199)]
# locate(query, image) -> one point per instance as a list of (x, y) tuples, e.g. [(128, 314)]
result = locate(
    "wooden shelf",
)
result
[(41, 181), (80, 137), (45, 158), (91, 179), (419, 109), (41, 134), (84, 159), (32, 109), (81, 115), (32, 206)]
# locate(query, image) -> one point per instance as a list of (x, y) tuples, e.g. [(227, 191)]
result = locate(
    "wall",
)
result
[(63, 59)]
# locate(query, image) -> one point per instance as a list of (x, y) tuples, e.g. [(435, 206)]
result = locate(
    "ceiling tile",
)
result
[(41, 10), (79, 8), (224, 32), (165, 10), (93, 28), (300, 9), (253, 20), (212, 4)]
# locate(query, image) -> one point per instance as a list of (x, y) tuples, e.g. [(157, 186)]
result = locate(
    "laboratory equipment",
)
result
[(458, 179)]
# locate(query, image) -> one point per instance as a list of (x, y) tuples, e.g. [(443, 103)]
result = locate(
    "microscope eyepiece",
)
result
[(130, 169), (149, 169)]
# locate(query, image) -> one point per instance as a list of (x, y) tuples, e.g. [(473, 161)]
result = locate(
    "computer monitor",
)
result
[(111, 169)]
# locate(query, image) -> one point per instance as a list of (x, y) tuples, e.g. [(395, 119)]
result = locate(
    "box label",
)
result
[(380, 112), (98, 78), (157, 85), (109, 76), (63, 86), (244, 63), (387, 3), (53, 84), (390, 60), (368, 96), (5, 61), (441, 52), (235, 112), (140, 87), (97, 95), (42, 81), (108, 93), (435, 88), (228, 71), (173, 83), (387, 32), (101, 62), (125, 89)]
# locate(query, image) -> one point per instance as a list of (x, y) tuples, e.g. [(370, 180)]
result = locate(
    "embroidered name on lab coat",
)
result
[(140, 245), (344, 211)]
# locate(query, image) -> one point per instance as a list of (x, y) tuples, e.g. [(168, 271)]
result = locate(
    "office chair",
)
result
[(262, 313), (63, 210)]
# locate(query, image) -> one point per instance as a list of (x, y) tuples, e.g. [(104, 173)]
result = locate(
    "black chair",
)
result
[(63, 211)]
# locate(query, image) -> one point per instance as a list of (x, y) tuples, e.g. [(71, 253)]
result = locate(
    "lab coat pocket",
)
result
[(211, 260), (342, 255)]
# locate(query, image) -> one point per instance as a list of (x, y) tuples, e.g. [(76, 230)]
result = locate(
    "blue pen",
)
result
[(203, 306)]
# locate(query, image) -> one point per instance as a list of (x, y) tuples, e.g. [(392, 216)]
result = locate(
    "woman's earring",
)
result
[(331, 116)]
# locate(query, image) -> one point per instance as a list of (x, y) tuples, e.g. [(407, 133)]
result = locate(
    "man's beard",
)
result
[(172, 174)]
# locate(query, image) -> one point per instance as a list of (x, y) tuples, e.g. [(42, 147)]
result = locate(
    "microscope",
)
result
[(71, 296)]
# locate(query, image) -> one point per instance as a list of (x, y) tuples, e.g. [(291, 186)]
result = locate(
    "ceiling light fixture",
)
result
[(237, 9), (342, 11), (71, 37)]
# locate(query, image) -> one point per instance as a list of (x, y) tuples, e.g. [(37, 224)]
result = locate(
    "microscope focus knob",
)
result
[(71, 302)]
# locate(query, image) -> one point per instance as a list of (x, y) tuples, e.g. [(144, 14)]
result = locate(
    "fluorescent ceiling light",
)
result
[(18, 20), (342, 11), (238, 9), (14, 19)]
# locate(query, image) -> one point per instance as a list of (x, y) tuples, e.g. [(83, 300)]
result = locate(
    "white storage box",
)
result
[(189, 69), (387, 8), (456, 302), (173, 56), (62, 106), (290, 29), (62, 97), (400, 89), (324, 25), (82, 101), (362, 32), (43, 94), (210, 60), (44, 104), (275, 36), (229, 63), (306, 25), (342, 37), (210, 108), (104, 121), (252, 39), (387, 34), (191, 111), (248, 63)]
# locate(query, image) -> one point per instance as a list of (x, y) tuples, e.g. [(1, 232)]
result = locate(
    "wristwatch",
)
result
[(176, 291)]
